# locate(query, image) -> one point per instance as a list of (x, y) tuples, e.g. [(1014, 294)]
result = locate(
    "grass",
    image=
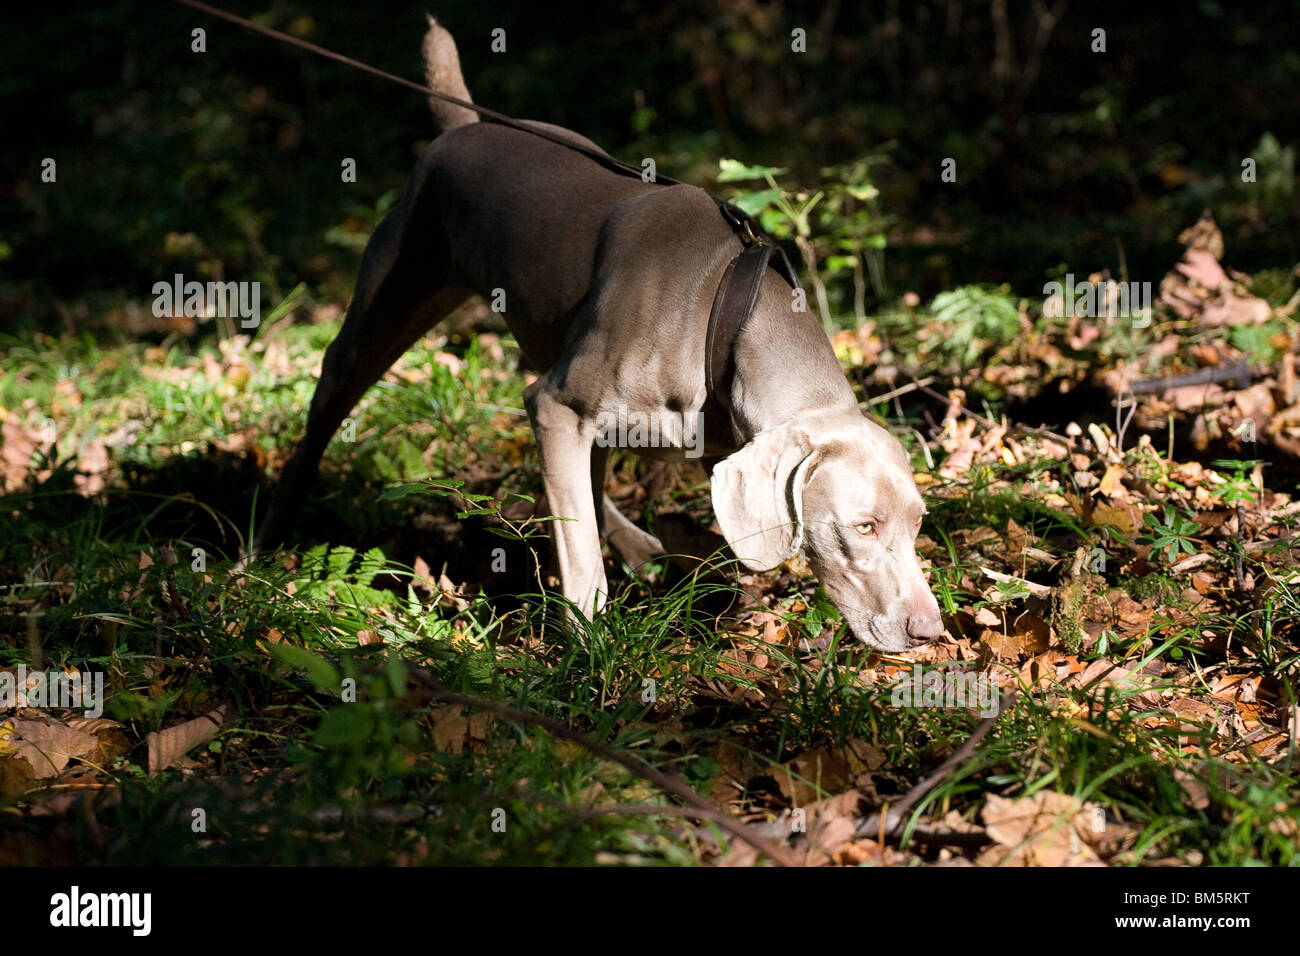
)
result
[(338, 754)]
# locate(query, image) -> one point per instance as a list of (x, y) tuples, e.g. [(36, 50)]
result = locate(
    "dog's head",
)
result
[(840, 488)]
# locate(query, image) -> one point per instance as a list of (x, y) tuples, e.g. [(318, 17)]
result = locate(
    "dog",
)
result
[(608, 283)]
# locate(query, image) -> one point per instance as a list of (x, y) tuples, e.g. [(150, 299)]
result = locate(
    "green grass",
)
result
[(305, 776)]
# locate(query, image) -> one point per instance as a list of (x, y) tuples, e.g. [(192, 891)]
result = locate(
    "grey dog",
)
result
[(608, 283)]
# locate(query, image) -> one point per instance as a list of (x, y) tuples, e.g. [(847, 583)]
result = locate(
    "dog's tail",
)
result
[(442, 73)]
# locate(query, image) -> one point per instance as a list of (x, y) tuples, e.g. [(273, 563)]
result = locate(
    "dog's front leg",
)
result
[(564, 446)]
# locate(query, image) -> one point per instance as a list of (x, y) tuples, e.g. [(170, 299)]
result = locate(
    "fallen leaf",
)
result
[(1042, 830), (167, 746), (801, 777), (47, 745), (1112, 482), (453, 732)]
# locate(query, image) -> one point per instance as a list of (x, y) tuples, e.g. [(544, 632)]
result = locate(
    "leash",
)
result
[(488, 114), (738, 293), (745, 225)]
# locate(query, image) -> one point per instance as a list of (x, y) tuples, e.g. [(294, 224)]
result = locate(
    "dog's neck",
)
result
[(785, 367)]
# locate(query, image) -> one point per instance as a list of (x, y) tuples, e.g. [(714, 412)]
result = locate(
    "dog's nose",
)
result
[(923, 628)]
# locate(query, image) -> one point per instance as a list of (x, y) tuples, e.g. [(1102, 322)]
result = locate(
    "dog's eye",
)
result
[(866, 528)]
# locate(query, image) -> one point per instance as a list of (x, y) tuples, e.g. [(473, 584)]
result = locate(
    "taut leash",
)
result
[(738, 293), (745, 225)]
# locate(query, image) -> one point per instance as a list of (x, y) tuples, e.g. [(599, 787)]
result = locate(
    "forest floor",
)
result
[(403, 688)]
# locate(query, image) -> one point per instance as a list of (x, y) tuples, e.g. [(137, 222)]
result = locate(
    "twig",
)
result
[(35, 651), (1123, 421), (171, 592), (669, 810), (888, 823), (1241, 371), (939, 836), (1033, 587), (1238, 572), (1261, 545), (911, 386), (779, 854), (1047, 21), (970, 413), (1191, 562)]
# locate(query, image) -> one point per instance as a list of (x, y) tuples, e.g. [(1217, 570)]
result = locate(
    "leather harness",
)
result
[(737, 293)]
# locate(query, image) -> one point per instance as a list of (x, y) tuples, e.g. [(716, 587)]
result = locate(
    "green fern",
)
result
[(981, 320)]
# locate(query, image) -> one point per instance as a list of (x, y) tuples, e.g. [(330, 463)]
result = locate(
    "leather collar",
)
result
[(733, 305)]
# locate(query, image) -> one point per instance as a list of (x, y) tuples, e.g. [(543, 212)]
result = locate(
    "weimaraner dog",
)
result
[(608, 283)]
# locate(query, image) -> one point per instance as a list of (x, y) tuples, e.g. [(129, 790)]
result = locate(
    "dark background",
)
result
[(1064, 155)]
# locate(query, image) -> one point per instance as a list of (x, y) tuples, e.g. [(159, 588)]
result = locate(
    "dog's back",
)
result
[(484, 179)]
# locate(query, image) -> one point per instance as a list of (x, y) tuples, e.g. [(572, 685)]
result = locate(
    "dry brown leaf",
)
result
[(1035, 634), (1039, 670), (167, 746), (92, 725), (1002, 646), (1123, 517), (831, 824), (859, 852), (453, 731), (740, 854), (1233, 309), (817, 768), (1042, 830), (1112, 482), (1197, 796), (47, 745), (1103, 673), (422, 579), (1202, 268), (1193, 713), (1018, 538), (92, 466), (862, 756), (961, 446), (17, 446)]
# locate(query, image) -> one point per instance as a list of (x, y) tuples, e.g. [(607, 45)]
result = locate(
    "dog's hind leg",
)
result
[(399, 297), (634, 546), (637, 548)]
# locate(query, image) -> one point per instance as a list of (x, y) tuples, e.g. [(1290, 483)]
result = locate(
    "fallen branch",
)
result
[(779, 854), (1189, 563), (1034, 588), (1242, 373), (1238, 571), (984, 420), (890, 822), (762, 832), (911, 386), (938, 836), (1263, 544)]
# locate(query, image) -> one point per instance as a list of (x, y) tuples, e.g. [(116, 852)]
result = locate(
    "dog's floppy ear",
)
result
[(758, 497)]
